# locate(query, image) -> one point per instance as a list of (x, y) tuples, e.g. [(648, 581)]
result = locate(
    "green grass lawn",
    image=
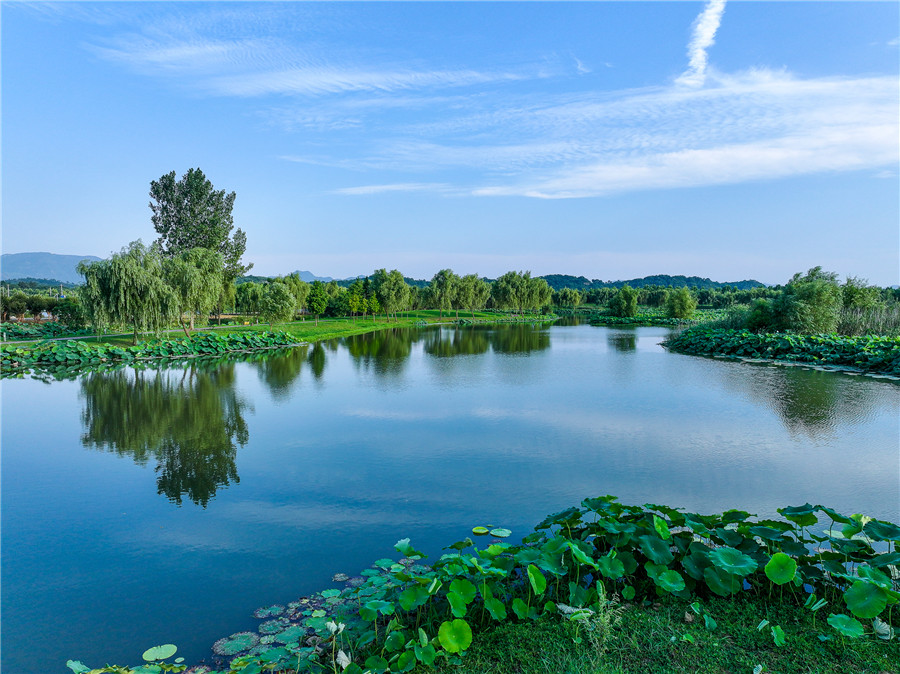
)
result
[(669, 637), (327, 328)]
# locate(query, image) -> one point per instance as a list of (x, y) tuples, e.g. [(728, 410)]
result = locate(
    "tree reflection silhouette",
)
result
[(384, 351), (188, 421)]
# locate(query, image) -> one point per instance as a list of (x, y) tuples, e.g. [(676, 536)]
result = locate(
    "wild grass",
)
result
[(884, 320), (667, 637)]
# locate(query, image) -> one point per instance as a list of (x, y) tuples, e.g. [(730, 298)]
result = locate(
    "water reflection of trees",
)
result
[(188, 421), (520, 338), (459, 341), (623, 342), (279, 371), (809, 402), (385, 352)]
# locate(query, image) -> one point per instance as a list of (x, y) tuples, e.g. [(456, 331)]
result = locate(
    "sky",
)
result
[(614, 140)]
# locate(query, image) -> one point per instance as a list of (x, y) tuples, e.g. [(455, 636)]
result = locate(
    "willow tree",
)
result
[(392, 291), (443, 289), (196, 277), (473, 293), (128, 289)]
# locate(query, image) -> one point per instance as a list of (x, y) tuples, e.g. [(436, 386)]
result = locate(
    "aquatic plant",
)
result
[(575, 564), (269, 611), (236, 643), (870, 353), (79, 354)]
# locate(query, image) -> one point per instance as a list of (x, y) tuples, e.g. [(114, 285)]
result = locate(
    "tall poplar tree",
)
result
[(190, 213)]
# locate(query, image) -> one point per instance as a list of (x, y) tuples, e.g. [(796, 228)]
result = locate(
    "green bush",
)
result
[(681, 303)]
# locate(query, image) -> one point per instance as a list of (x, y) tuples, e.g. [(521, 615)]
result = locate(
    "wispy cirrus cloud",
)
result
[(754, 126), (394, 187)]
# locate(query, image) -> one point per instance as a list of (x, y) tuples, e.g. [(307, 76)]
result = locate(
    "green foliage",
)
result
[(317, 299), (277, 304), (189, 213), (867, 353), (385, 621), (680, 303), (810, 303), (625, 302), (73, 354), (128, 289), (195, 276)]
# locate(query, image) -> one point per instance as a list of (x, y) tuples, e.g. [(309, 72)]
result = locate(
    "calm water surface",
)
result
[(166, 505)]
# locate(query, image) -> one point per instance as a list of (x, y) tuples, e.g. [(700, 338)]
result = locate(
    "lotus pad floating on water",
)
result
[(340, 577), (273, 626), (356, 581), (269, 611), (236, 643), (292, 633)]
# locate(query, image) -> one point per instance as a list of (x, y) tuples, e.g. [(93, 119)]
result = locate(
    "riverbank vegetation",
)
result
[(700, 592), (813, 320)]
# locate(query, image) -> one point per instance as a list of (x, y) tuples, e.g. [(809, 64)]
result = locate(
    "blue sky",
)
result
[(611, 140)]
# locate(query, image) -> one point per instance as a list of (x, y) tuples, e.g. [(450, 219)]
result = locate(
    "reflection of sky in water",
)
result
[(352, 446)]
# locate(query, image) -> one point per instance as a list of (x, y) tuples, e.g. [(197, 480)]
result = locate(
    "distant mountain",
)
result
[(560, 281), (309, 277), (42, 266)]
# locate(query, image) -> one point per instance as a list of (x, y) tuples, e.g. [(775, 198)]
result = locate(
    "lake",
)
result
[(165, 505)]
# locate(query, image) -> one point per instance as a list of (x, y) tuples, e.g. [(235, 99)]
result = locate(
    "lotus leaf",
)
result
[(611, 567), (732, 561), (628, 593), (377, 664), (159, 652), (875, 576), (778, 635), (457, 604), (480, 531), (865, 599), (849, 627), (882, 531), (236, 643), (781, 568), (407, 661), (496, 608), (581, 555), (425, 654), (882, 629), (656, 549), (455, 635), (721, 582), (290, 635), (464, 588), (383, 607), (662, 528), (501, 532), (520, 608), (670, 581), (272, 626), (537, 579), (394, 641)]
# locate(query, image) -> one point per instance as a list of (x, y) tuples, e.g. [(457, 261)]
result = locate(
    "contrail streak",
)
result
[(705, 28)]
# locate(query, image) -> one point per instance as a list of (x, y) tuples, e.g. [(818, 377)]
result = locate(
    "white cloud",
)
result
[(703, 38), (394, 187)]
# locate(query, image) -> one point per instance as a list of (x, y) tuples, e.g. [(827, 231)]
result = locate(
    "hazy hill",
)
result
[(560, 281), (42, 266)]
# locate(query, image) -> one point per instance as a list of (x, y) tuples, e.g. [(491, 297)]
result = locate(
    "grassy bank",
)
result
[(91, 351), (669, 636), (870, 353)]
